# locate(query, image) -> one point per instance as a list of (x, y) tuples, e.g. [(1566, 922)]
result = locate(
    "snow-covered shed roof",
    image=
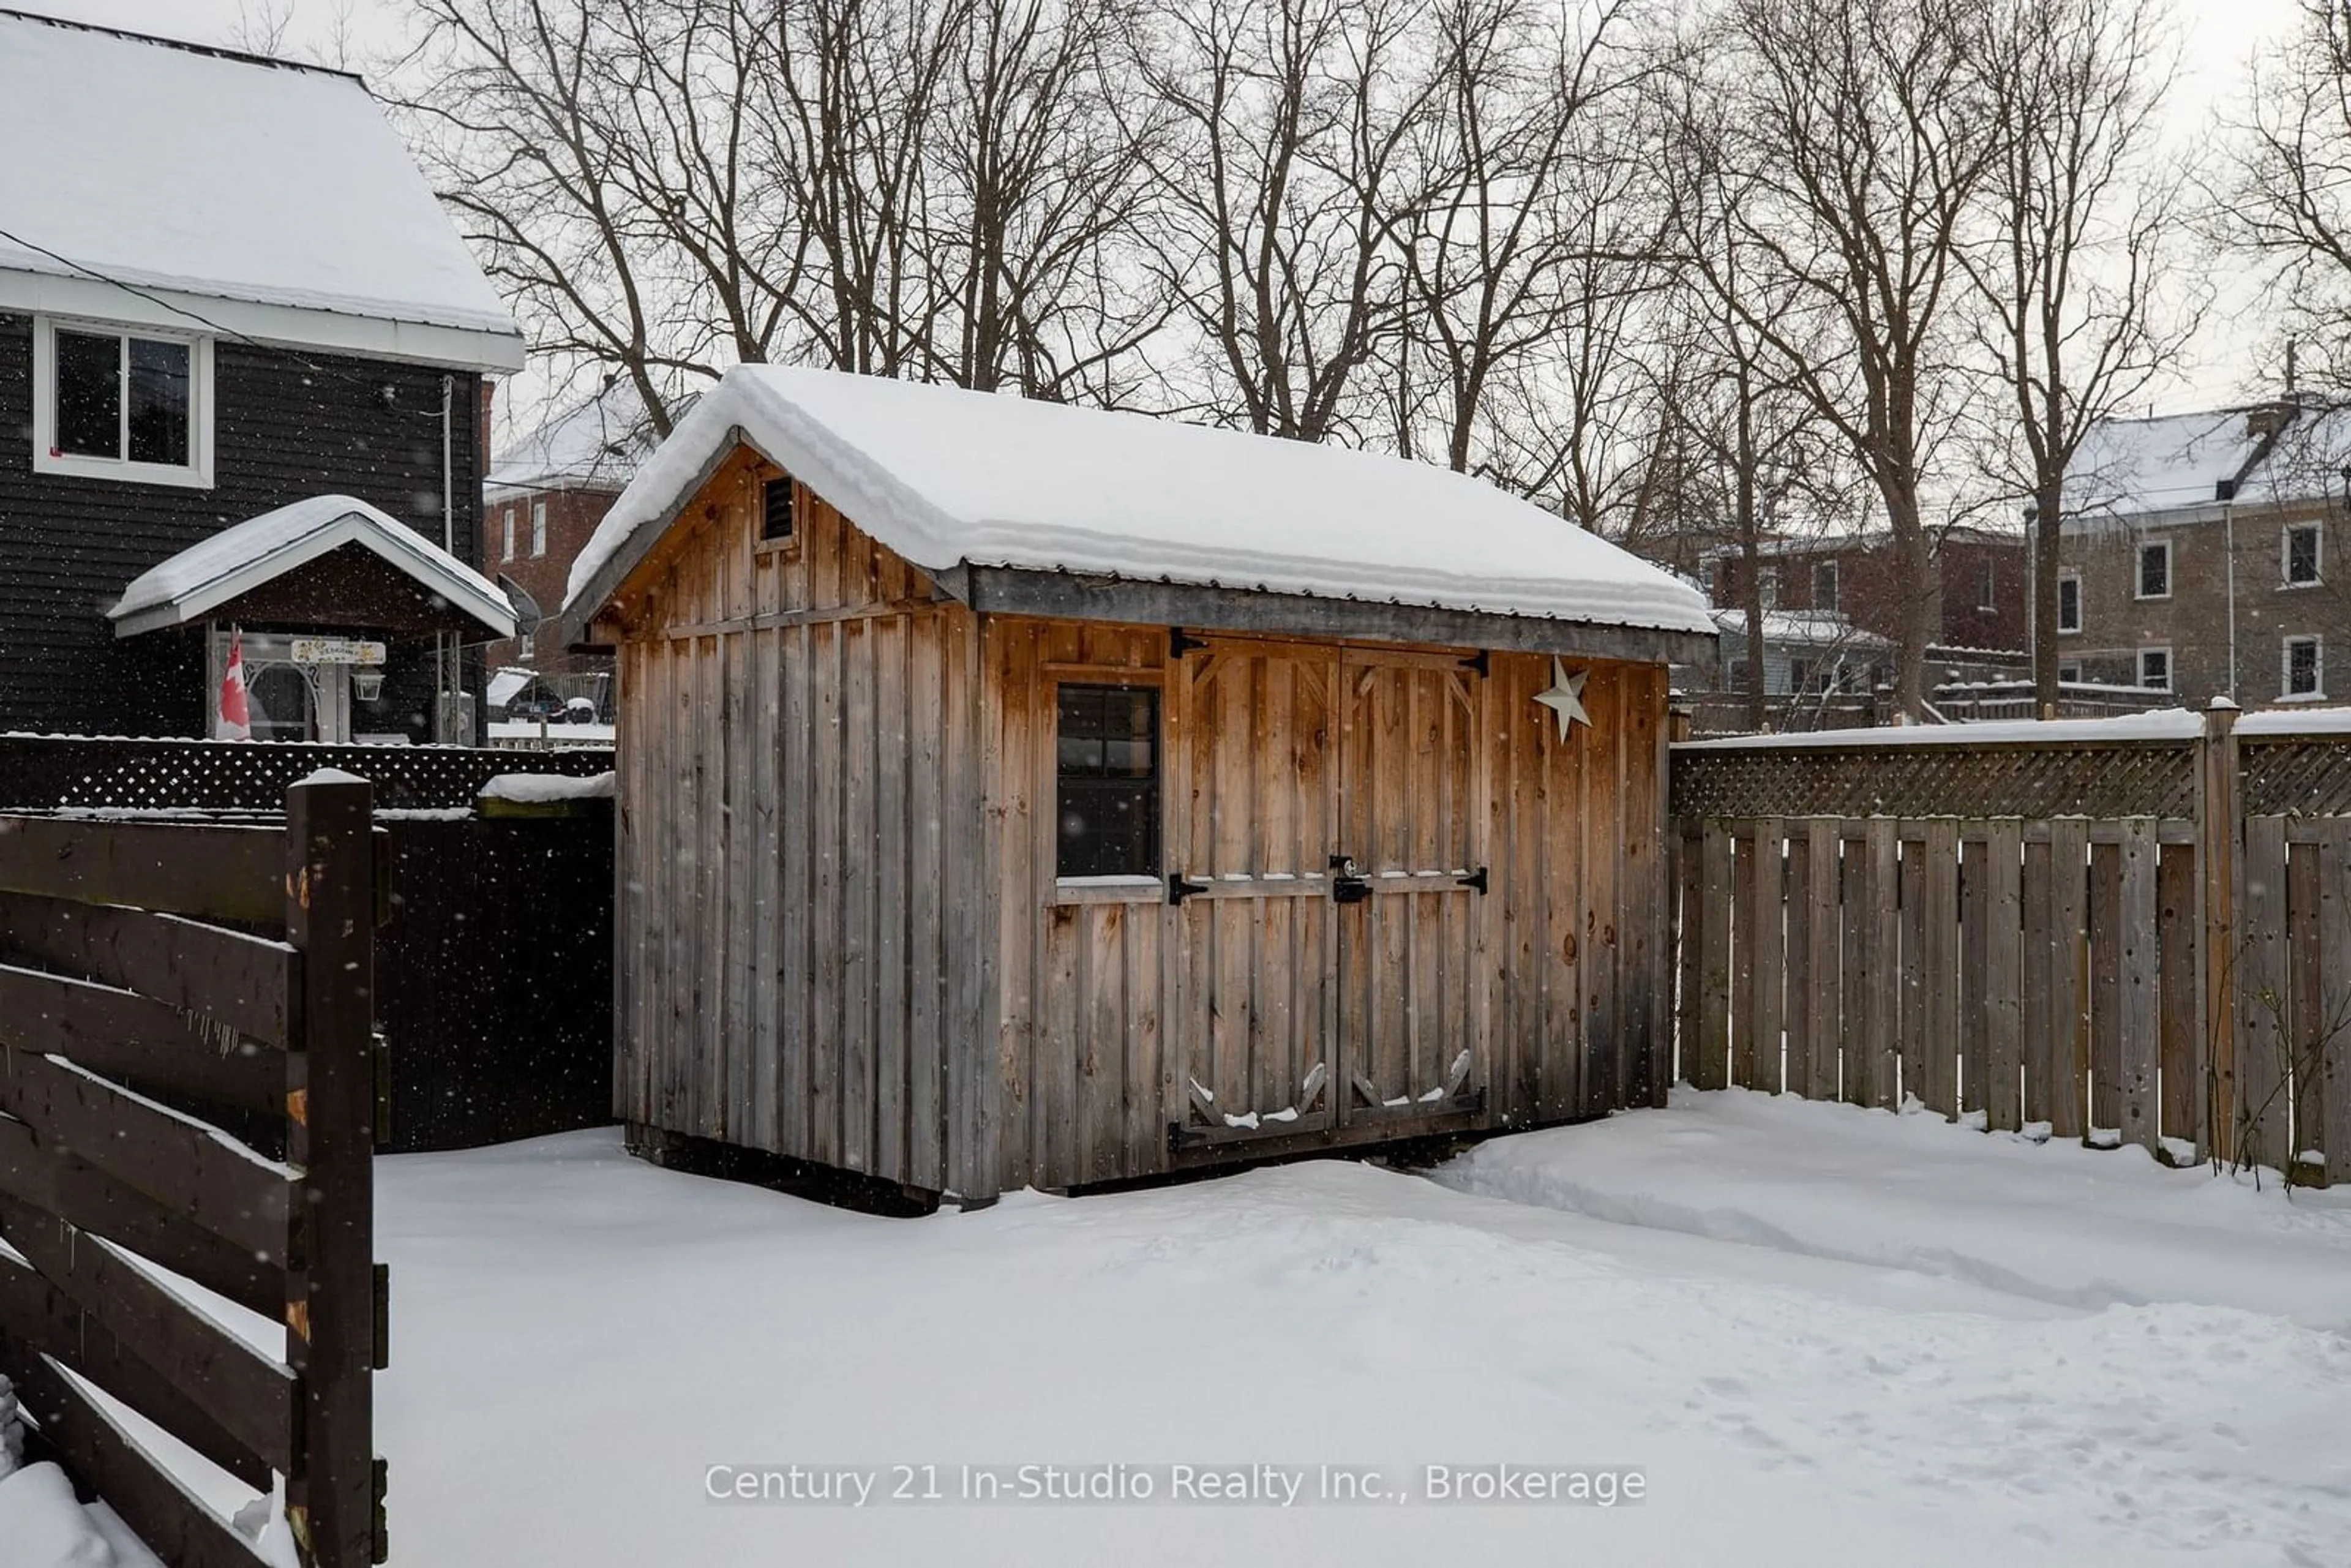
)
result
[(272, 199), (951, 478), (597, 441), (208, 574)]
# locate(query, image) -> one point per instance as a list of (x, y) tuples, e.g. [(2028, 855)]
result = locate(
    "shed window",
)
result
[(779, 502), (1107, 748)]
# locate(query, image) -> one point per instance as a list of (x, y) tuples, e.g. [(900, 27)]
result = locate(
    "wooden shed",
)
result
[(1013, 794)]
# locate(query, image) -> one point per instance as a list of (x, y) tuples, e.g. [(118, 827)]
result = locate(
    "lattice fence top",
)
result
[(47, 772), (2140, 779), (2295, 776)]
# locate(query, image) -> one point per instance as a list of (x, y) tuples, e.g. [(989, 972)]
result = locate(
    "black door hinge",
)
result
[(1179, 645), (1479, 663), (1475, 879), (1179, 889)]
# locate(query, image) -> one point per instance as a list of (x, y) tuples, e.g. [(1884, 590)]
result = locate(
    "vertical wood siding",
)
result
[(799, 817), (1259, 1009)]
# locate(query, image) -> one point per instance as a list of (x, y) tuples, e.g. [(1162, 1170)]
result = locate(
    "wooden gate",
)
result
[(180, 1007), (1330, 874), (1410, 876)]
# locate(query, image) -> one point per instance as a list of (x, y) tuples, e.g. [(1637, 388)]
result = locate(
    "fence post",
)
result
[(332, 1503), (2220, 828)]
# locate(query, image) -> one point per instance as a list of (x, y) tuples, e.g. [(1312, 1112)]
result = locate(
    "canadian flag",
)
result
[(234, 720)]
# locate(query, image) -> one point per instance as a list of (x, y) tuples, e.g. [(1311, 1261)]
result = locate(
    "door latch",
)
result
[(1347, 884)]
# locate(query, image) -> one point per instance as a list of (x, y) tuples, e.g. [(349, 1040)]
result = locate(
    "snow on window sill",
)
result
[(2302, 697), (1116, 889)]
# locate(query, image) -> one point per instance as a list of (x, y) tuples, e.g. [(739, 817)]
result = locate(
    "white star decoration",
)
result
[(1565, 698)]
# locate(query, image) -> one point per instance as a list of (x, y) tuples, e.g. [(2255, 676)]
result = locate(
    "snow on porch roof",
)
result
[(948, 477), (207, 575)]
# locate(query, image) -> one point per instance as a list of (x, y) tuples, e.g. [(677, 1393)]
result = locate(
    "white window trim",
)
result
[(2073, 665), (507, 552), (2075, 630), (2286, 694), (196, 475), (2170, 673), (1987, 587), (2285, 555), (2138, 569), (537, 530)]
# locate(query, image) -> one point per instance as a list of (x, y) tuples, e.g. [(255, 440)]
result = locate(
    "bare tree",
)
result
[(937, 189), (1534, 232), (2286, 198), (2076, 268), (1282, 189), (1861, 134)]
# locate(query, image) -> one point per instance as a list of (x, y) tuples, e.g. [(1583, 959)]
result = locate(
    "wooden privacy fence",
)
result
[(159, 983), (2138, 934)]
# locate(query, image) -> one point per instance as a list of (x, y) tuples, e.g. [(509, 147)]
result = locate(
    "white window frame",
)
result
[(2138, 569), (2075, 667), (2317, 691), (1767, 587), (537, 530), (2169, 673), (507, 554), (2075, 629), (2317, 555), (197, 475), (1988, 586)]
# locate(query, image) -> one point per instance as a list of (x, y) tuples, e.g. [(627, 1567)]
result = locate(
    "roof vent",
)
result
[(2266, 421)]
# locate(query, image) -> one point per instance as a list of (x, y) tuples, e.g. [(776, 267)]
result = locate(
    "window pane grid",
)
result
[(1106, 753)]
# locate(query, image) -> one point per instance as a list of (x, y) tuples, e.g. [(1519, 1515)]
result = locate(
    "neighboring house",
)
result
[(1979, 597), (1038, 796), (2201, 555), (545, 495), (228, 298), (1805, 653)]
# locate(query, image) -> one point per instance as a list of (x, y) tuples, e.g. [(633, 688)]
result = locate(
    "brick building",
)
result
[(2200, 554), (546, 494), (1979, 597)]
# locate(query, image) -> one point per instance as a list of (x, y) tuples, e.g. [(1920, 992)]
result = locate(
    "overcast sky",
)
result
[(2220, 38)]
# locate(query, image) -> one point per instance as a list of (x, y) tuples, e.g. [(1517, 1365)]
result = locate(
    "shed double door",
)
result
[(1328, 845)]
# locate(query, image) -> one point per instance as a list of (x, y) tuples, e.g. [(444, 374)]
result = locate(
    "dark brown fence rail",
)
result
[(141, 1017), (2142, 940), (52, 772)]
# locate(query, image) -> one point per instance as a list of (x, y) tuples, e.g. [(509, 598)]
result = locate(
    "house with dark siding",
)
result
[(227, 292)]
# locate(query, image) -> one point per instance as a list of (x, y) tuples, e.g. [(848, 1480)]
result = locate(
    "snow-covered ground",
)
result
[(1819, 1335)]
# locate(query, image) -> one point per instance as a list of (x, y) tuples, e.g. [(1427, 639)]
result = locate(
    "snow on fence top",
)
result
[(226, 177), (2160, 724), (948, 477)]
